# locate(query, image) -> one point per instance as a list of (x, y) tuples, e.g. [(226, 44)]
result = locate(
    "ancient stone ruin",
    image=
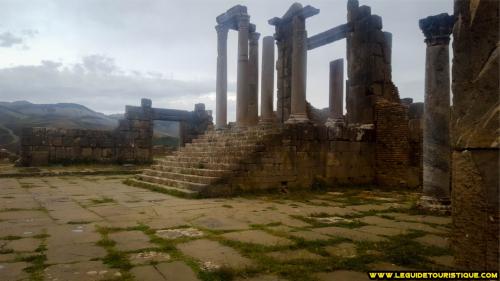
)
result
[(300, 146), (130, 142)]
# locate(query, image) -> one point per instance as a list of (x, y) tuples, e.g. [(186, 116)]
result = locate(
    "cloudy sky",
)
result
[(108, 53)]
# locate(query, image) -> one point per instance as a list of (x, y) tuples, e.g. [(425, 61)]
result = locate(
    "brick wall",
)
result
[(391, 146)]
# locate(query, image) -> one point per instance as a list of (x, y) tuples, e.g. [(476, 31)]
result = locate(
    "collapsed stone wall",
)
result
[(475, 143), (130, 142)]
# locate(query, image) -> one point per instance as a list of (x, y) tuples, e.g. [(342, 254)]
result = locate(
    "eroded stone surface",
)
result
[(179, 232), (148, 257), (345, 250)]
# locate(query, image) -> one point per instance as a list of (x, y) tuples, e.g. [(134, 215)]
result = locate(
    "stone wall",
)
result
[(41, 146), (130, 142), (392, 144), (475, 143), (306, 155)]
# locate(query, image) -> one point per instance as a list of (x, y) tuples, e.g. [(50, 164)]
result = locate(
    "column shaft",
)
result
[(336, 98), (242, 72), (299, 72), (436, 151), (253, 80), (221, 82), (267, 78)]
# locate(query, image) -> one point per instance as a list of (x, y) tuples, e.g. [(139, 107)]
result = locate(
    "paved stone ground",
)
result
[(97, 228)]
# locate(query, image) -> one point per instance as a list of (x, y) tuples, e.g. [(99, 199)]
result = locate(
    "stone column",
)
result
[(242, 71), (298, 112), (436, 148), (221, 84), (336, 98), (267, 77), (253, 80)]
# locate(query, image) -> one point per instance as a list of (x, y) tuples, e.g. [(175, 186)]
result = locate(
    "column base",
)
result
[(297, 118), (434, 204)]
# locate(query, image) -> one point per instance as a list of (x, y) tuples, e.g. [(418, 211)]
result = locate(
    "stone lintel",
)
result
[(437, 29), (230, 19), (295, 10), (328, 36)]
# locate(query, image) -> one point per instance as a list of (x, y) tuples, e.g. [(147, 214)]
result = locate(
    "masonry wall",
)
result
[(41, 146), (392, 144), (475, 154), (305, 156)]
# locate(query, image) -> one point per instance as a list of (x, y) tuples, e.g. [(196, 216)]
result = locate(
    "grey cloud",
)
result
[(97, 82), (8, 40)]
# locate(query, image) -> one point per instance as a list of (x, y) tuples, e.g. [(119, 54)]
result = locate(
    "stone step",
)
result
[(217, 148), (226, 159), (168, 189), (173, 183), (180, 177), (210, 166), (192, 171), (216, 153)]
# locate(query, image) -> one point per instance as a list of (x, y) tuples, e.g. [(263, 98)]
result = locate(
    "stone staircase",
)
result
[(204, 166)]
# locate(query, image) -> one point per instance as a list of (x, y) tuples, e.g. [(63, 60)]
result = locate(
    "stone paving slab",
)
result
[(421, 218), (385, 266), (261, 278), (379, 230), (68, 253), (72, 234), (13, 271), (399, 224), (82, 271), (434, 240), (147, 272), (344, 250), (289, 255), (131, 240), (446, 261), (176, 271), (257, 237), (352, 234), (214, 223), (309, 235), (342, 275), (23, 245), (211, 251)]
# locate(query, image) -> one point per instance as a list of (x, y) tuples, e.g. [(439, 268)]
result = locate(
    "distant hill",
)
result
[(19, 114)]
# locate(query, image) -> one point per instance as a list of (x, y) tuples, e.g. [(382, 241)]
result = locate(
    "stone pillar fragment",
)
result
[(221, 82), (253, 80), (436, 150), (336, 98), (242, 71), (298, 112), (267, 77)]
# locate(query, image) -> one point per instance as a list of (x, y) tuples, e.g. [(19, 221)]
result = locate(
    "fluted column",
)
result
[(267, 78), (436, 148), (336, 98), (298, 112), (253, 80), (221, 82), (242, 71)]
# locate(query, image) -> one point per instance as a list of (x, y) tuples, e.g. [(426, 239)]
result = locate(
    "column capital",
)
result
[(243, 21), (221, 29), (254, 38), (437, 29)]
